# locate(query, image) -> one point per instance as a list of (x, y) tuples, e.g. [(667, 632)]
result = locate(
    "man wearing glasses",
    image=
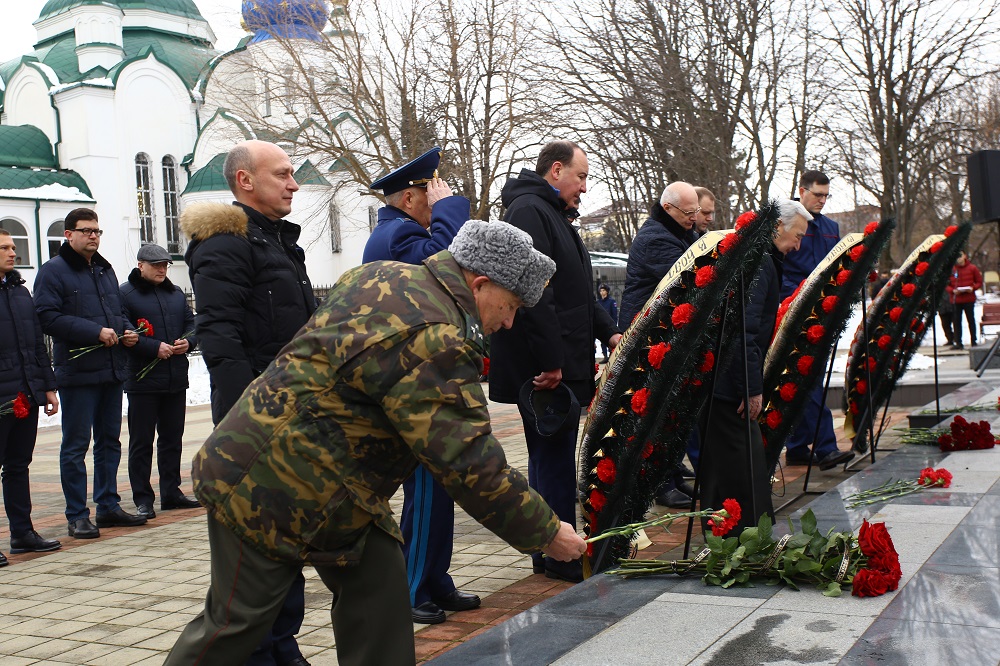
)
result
[(79, 305), (823, 234)]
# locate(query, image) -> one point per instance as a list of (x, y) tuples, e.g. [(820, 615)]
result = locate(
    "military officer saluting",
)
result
[(300, 471), (421, 217)]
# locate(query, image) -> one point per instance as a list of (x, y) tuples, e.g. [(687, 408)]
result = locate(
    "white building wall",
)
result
[(27, 102)]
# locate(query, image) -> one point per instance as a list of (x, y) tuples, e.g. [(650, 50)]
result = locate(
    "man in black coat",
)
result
[(79, 305), (724, 453), (157, 397), (553, 342), (252, 295), (25, 367)]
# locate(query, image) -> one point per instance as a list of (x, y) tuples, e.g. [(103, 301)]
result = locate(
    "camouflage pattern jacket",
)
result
[(384, 375)]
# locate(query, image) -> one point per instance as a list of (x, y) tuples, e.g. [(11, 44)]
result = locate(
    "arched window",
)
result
[(170, 211), (54, 237), (144, 199), (20, 237)]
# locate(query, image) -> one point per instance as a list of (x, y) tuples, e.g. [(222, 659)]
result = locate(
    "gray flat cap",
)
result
[(153, 254), (505, 255)]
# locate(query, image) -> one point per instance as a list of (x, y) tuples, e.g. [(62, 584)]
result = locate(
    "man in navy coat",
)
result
[(420, 218)]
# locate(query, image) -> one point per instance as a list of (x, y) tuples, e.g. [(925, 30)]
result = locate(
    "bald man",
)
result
[(253, 295)]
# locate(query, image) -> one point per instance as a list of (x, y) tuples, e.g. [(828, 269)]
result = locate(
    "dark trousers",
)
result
[(948, 326), (17, 443), (93, 409), (279, 645), (428, 524), (372, 623), (802, 437), (725, 473), (970, 318), (149, 415)]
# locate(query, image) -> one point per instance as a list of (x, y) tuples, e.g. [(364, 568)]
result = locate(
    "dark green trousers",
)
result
[(372, 622)]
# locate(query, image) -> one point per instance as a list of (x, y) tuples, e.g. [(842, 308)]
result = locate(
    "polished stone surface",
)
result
[(946, 611)]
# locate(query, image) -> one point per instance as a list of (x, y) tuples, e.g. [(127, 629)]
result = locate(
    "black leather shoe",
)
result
[(674, 499), (685, 471), (571, 572), (458, 601), (686, 487), (3, 560), (428, 613), (179, 502), (791, 459), (146, 511), (831, 460), (119, 518), (32, 542), (537, 563), (298, 661), (83, 529)]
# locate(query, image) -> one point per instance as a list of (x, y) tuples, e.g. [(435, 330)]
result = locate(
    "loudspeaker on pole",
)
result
[(984, 185)]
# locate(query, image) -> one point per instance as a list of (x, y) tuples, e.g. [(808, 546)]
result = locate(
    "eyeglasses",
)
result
[(90, 232), (821, 197), (687, 213)]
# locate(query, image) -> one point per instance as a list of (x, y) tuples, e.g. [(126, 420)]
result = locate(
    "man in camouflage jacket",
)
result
[(385, 375)]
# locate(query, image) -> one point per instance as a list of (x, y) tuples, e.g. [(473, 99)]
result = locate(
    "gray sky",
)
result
[(17, 35)]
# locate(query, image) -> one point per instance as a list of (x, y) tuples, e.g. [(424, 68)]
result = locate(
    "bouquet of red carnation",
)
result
[(20, 407), (152, 364), (967, 436), (929, 478), (144, 328)]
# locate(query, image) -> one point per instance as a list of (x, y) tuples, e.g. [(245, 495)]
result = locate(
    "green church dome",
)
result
[(185, 8)]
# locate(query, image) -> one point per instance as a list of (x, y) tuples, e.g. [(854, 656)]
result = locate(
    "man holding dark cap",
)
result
[(421, 217), (302, 468), (157, 381), (553, 342)]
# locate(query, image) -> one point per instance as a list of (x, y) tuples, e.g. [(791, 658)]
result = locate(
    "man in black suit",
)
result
[(553, 342)]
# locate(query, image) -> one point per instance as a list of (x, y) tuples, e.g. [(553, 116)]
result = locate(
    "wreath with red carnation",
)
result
[(897, 322), (809, 322), (655, 381)]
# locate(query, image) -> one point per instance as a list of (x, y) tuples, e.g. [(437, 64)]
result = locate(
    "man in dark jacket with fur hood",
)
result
[(157, 381), (26, 370), (252, 294), (553, 342), (79, 305)]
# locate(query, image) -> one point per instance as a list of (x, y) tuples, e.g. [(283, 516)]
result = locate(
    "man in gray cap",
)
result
[(157, 380), (301, 469)]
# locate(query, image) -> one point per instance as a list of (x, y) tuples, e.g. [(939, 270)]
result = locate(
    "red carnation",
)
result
[(853, 407), (815, 333), (745, 219), (861, 387), (842, 277), (22, 407), (704, 275), (144, 327), (937, 246), (647, 450), (872, 363), (884, 342), (895, 314), (918, 326), (828, 304), (486, 366), (656, 354), (856, 252), (773, 419), (606, 470), (950, 230), (908, 289), (944, 478), (682, 314), (639, 401), (921, 268), (804, 365), (870, 228), (873, 276), (721, 525), (597, 500), (727, 243), (707, 362), (788, 391)]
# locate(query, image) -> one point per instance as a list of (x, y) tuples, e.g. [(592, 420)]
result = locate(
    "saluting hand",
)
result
[(437, 189)]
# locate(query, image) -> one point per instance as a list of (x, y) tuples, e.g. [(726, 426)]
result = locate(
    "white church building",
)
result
[(117, 109)]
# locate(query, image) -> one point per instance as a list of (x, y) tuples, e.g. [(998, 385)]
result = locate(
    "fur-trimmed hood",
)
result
[(209, 218)]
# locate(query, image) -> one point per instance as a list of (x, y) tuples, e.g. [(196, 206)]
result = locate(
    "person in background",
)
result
[(962, 286), (28, 372), (157, 400), (706, 216), (611, 307)]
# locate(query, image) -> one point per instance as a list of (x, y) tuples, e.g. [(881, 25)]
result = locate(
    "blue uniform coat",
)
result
[(397, 237)]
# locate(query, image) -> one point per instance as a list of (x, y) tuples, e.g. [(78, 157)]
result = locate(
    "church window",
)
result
[(54, 237), (20, 237), (144, 199), (170, 209), (267, 96)]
